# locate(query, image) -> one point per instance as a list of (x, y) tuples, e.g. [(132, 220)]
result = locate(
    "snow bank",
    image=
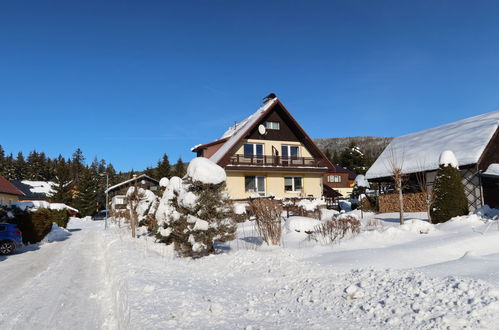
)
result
[(487, 212), (35, 205), (310, 204), (302, 224), (447, 158), (204, 170), (361, 181), (240, 208), (56, 234)]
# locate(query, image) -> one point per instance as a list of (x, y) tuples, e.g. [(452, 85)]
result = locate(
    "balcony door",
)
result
[(253, 152), (289, 153)]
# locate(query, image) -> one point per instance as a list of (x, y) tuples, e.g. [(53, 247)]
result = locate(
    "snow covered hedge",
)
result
[(34, 224)]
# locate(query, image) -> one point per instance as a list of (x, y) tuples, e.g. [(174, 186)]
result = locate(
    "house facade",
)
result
[(475, 143), (117, 193), (341, 180), (9, 194), (268, 154)]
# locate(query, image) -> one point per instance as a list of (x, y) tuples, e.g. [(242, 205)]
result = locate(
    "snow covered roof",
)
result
[(492, 170), (237, 131), (139, 177), (420, 151)]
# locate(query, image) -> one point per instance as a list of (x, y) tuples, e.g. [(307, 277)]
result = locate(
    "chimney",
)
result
[(269, 97)]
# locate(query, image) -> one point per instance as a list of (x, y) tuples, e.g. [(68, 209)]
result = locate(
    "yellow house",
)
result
[(8, 193), (268, 154)]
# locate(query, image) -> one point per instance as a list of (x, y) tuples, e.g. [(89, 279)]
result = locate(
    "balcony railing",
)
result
[(288, 161)]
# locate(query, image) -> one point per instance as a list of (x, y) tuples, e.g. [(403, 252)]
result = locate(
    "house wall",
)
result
[(274, 184), (211, 150), (268, 144), (491, 154), (7, 199)]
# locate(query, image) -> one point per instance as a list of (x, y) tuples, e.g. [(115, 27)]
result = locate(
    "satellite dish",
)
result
[(262, 130)]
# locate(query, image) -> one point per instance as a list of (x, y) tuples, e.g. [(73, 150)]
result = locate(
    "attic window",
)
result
[(272, 125)]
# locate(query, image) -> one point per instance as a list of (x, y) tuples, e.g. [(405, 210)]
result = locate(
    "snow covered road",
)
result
[(61, 285), (100, 279)]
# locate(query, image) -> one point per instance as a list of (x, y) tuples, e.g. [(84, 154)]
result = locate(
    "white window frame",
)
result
[(254, 148), (293, 184), (334, 178), (275, 125), (257, 179), (288, 146)]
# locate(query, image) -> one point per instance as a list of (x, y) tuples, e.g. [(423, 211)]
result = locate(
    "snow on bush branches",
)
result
[(194, 211)]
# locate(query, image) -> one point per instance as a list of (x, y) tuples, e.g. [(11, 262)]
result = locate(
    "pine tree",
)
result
[(450, 199), (353, 159), (2, 161), (85, 200), (8, 167), (62, 182), (179, 169), (77, 165), (21, 171), (196, 214), (164, 169)]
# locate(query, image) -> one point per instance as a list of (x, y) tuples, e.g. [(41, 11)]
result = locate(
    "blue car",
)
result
[(10, 238)]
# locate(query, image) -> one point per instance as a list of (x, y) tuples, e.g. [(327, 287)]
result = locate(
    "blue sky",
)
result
[(130, 80)]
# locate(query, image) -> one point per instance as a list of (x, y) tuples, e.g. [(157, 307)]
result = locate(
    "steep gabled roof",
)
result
[(235, 134), (8, 188), (420, 151), (137, 178)]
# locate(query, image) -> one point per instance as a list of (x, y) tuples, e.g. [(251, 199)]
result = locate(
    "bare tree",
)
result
[(426, 190), (395, 165)]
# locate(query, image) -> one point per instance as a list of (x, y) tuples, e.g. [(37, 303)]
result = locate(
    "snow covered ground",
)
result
[(388, 277)]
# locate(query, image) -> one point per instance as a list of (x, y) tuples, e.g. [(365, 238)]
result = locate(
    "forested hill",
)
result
[(371, 146)]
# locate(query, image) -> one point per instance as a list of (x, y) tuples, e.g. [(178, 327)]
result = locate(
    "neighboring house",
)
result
[(9, 194), (268, 154), (340, 179), (117, 193), (34, 190), (474, 141)]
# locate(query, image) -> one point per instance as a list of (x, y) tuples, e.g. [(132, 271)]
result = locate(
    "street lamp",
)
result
[(107, 197)]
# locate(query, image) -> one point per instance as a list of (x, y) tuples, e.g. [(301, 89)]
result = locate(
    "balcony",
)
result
[(284, 161)]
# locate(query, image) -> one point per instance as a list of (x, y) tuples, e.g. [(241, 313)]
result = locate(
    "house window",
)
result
[(290, 151), (253, 149), (272, 125), (255, 184), (293, 183), (334, 178)]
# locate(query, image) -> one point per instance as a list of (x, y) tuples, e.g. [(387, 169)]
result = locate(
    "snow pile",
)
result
[(56, 234), (311, 204), (492, 170), (301, 224), (35, 205), (447, 158), (164, 182), (204, 170), (32, 206), (240, 208), (487, 212), (361, 181), (417, 226), (41, 187), (143, 201)]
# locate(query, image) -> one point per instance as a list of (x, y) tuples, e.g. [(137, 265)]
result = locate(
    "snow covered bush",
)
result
[(449, 198), (334, 230), (194, 212), (268, 217), (142, 204)]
